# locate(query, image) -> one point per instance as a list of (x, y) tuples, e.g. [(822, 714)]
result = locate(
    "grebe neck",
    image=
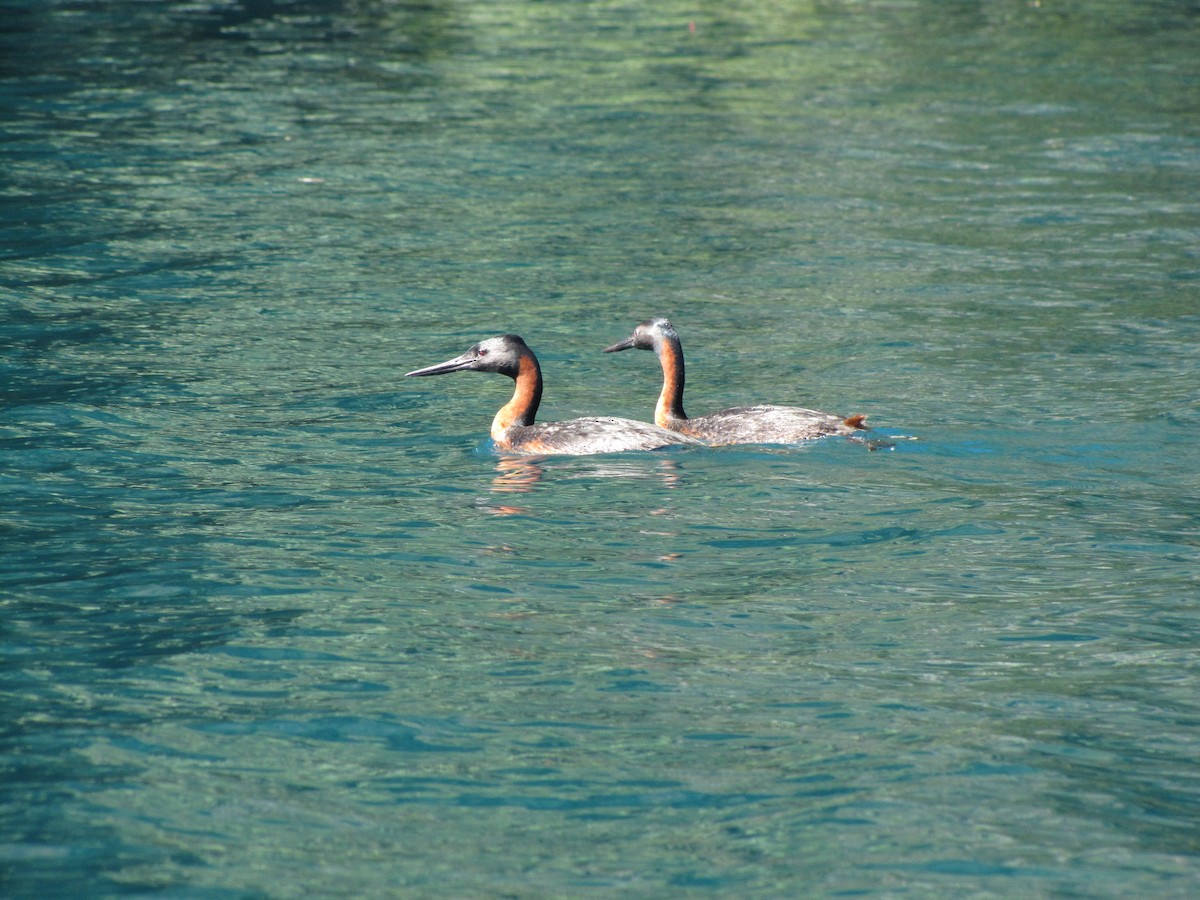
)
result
[(670, 401), (527, 395)]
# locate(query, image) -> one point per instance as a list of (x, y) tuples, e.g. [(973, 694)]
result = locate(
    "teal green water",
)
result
[(276, 622)]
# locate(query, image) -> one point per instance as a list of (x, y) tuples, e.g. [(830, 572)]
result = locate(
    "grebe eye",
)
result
[(482, 353)]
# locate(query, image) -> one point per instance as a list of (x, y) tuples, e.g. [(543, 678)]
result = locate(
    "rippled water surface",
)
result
[(277, 622)]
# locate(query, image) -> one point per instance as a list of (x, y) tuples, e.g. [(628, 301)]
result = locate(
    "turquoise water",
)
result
[(278, 623)]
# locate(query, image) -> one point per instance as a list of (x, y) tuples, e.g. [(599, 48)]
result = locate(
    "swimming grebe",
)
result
[(514, 430), (741, 425)]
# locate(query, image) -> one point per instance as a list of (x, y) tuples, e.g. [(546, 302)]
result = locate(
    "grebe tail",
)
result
[(514, 428), (741, 425)]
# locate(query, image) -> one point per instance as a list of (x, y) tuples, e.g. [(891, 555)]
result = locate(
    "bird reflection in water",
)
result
[(514, 475), (521, 474)]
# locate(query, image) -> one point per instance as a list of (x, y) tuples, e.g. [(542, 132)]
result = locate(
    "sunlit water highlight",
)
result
[(277, 622)]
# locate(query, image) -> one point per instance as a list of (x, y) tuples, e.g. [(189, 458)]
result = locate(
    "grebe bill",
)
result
[(514, 429), (741, 425)]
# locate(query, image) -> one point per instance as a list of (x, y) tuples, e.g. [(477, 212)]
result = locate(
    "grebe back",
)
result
[(514, 429), (740, 425)]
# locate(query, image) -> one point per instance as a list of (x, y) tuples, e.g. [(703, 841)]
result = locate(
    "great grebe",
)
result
[(514, 429), (741, 425)]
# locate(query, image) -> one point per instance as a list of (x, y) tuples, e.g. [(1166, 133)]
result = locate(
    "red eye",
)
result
[(481, 353)]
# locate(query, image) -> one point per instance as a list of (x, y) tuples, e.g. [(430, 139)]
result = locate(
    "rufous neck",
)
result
[(670, 401), (527, 395)]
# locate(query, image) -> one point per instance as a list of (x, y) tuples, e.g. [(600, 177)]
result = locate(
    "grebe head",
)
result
[(648, 335), (499, 354)]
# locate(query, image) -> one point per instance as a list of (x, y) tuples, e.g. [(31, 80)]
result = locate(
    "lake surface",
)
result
[(277, 622)]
